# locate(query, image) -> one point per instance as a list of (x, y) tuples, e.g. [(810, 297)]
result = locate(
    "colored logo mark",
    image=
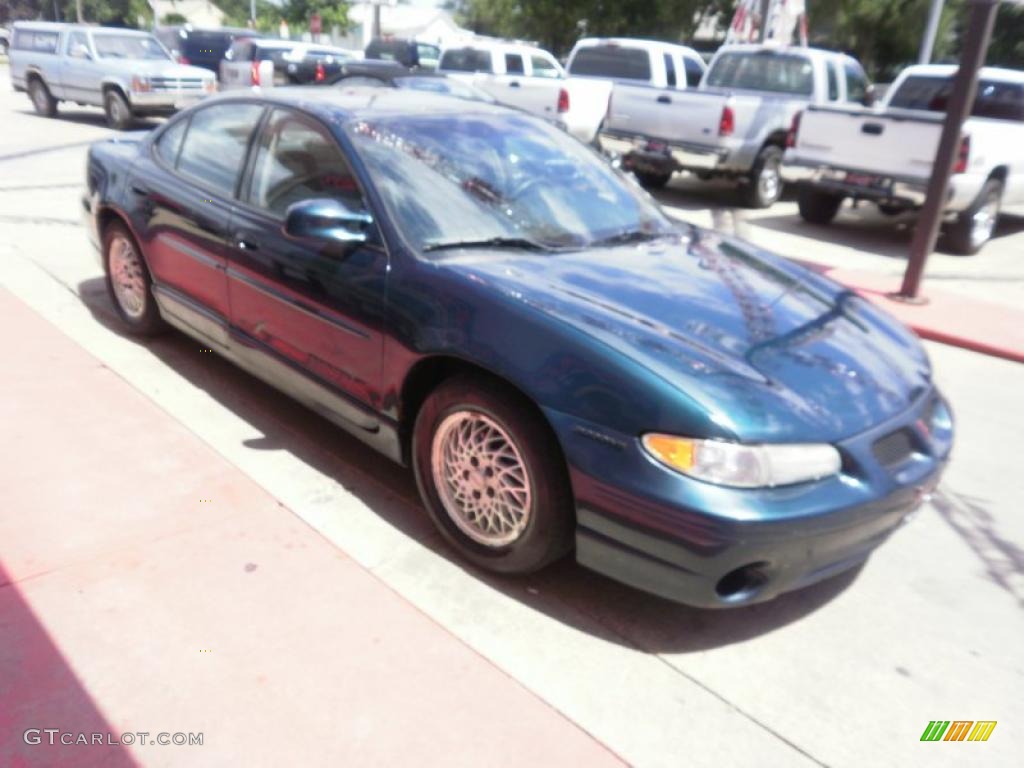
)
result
[(958, 730)]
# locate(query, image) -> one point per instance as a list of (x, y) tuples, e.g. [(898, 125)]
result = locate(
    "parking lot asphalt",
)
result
[(846, 673)]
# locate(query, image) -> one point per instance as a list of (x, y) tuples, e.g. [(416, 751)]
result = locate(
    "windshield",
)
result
[(762, 71), (128, 47), (477, 177), (443, 85)]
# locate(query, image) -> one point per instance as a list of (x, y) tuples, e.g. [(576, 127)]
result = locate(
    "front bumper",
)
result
[(715, 547), (163, 102)]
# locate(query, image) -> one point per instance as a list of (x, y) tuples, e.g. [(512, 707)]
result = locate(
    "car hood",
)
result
[(155, 68), (771, 351)]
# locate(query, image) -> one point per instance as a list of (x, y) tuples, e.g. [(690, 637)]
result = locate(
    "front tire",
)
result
[(491, 476), (43, 103), (974, 226), (129, 284), (119, 113), (764, 185), (816, 206)]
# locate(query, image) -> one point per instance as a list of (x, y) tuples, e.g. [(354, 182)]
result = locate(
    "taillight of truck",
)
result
[(254, 73), (794, 129), (563, 101), (727, 122), (963, 155), (321, 73)]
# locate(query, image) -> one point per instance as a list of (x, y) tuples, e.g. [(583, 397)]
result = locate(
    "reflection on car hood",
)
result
[(773, 351)]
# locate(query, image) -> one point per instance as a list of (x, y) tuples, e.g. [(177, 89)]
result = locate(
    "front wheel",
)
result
[(491, 476), (816, 206), (119, 114), (43, 103), (764, 185), (974, 226)]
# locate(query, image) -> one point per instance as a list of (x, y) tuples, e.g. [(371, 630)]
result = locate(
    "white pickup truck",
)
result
[(886, 155), (530, 78), (735, 123), (636, 62)]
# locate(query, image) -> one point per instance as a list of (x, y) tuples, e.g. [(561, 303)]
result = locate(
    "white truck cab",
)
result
[(530, 78)]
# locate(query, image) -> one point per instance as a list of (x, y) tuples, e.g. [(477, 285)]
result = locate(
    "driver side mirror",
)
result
[(870, 97), (327, 219), (81, 52)]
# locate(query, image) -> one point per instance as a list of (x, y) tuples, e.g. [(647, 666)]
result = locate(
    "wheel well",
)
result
[(34, 75), (777, 139), (106, 217), (113, 87), (999, 173)]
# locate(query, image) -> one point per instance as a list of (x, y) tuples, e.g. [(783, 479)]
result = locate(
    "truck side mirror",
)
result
[(869, 96), (80, 51)]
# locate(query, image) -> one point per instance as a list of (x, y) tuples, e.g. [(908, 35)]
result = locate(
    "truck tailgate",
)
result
[(895, 143), (682, 117)]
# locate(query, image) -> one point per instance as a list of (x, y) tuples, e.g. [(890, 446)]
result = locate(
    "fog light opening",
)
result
[(743, 582)]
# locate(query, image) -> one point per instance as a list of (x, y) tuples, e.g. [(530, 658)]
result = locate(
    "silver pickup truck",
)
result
[(128, 73), (735, 124)]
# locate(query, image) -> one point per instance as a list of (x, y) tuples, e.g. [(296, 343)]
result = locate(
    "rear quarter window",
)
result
[(995, 99), (34, 40), (612, 61), (466, 60)]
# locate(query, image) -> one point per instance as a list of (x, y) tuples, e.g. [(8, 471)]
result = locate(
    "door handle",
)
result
[(245, 245), (139, 189), (663, 99), (514, 84)]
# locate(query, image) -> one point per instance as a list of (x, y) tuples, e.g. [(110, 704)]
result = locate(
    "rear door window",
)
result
[(215, 145), (169, 142), (833, 81), (466, 60), (514, 64), (670, 70), (543, 66), (617, 62), (34, 40), (694, 71), (856, 81)]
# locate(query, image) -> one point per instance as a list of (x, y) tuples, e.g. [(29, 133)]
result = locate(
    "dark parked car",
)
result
[(474, 293), (200, 47), (389, 74), (409, 53), (267, 63)]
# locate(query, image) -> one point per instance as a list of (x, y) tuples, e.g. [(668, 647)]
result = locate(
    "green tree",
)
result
[(173, 18), (1007, 49)]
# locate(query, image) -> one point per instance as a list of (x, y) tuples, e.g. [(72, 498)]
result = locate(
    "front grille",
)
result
[(894, 448), (176, 84)]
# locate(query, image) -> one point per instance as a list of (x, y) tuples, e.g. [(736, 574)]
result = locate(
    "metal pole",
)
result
[(78, 10), (931, 29), (965, 85), (375, 32), (252, 13), (765, 8)]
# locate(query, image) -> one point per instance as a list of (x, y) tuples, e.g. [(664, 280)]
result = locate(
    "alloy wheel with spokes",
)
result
[(128, 281), (492, 475), (481, 478), (983, 222)]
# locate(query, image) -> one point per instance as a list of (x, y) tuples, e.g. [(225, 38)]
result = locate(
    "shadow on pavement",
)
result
[(39, 690), (1003, 560), (564, 591), (91, 117)]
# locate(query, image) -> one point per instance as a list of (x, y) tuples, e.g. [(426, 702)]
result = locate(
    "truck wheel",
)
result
[(119, 114), (43, 102), (816, 206), (491, 476), (652, 180), (974, 226), (764, 185)]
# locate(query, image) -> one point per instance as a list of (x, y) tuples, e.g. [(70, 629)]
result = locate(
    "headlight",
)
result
[(744, 466)]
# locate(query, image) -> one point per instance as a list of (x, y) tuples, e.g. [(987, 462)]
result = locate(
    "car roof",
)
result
[(773, 48), (58, 26), (359, 101), (948, 70), (633, 42)]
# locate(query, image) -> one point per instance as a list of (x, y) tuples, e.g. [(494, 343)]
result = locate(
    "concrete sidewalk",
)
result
[(148, 585)]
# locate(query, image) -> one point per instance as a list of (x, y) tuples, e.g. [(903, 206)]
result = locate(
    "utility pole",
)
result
[(931, 29), (763, 31), (78, 10), (252, 13), (958, 107), (375, 32)]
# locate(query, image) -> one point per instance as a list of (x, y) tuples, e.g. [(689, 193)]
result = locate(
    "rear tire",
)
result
[(764, 185), (129, 284), (491, 476), (119, 113), (974, 226), (816, 206), (650, 180), (42, 101)]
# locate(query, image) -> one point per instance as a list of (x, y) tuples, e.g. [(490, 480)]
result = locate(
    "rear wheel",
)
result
[(119, 113), (816, 206), (974, 226), (491, 476), (649, 180), (42, 101), (128, 282), (764, 185)]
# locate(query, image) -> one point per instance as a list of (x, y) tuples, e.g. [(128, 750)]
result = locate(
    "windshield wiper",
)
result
[(629, 236), (490, 242)]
